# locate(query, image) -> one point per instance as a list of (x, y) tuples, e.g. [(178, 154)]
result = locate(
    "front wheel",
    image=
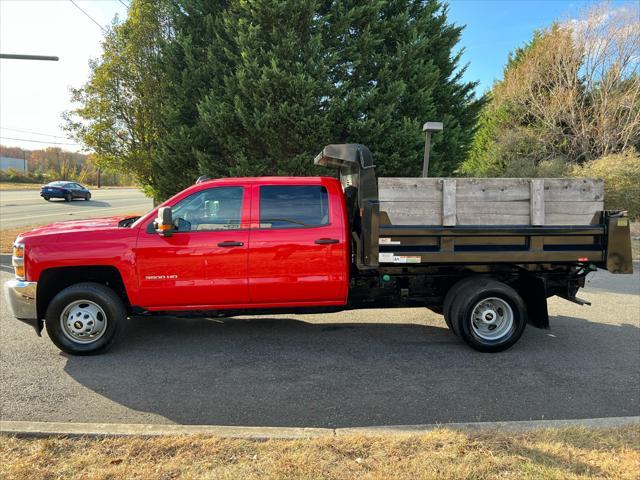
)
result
[(47, 198), (85, 318), (488, 315), (88, 197)]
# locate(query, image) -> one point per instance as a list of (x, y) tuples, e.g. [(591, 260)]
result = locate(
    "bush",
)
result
[(18, 176), (621, 174)]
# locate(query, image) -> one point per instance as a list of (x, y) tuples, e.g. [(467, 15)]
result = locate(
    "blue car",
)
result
[(66, 190)]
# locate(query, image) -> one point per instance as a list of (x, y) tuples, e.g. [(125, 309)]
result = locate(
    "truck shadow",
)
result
[(288, 372), (87, 203)]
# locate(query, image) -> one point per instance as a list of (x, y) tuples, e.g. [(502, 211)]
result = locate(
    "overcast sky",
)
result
[(33, 94)]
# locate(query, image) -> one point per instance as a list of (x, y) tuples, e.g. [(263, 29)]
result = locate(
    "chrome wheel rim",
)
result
[(83, 321), (491, 318)]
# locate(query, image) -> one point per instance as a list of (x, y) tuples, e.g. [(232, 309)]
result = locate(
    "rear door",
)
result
[(204, 263), (298, 251)]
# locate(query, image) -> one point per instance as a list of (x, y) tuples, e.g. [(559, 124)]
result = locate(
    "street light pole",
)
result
[(428, 128), (16, 56)]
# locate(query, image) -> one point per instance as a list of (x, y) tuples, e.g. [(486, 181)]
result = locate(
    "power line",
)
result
[(89, 16), (126, 6), (32, 132), (37, 141)]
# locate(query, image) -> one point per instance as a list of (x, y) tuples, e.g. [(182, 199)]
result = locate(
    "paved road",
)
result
[(26, 207), (348, 369)]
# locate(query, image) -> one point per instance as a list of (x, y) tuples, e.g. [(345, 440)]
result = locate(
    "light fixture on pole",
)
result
[(429, 128)]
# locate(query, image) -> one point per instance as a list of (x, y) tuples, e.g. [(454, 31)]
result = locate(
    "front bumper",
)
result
[(21, 296)]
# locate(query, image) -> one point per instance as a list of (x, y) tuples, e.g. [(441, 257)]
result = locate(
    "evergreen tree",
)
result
[(393, 68), (256, 87), (193, 66)]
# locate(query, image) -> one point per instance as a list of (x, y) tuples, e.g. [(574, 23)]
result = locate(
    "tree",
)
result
[(118, 116), (270, 83), (572, 96), (393, 68), (251, 87)]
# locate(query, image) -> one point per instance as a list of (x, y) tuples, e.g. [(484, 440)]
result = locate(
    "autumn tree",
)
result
[(118, 109), (572, 95)]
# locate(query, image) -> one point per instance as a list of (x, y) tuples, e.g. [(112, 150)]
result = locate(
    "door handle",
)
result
[(230, 244), (326, 241)]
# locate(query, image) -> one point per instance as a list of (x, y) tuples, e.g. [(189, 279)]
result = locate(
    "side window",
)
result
[(293, 206), (218, 208)]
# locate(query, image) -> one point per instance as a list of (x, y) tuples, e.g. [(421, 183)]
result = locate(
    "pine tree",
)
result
[(258, 87), (393, 68)]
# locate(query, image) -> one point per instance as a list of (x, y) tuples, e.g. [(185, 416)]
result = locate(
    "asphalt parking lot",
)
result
[(359, 368)]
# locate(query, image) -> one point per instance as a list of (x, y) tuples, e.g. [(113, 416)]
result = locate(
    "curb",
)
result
[(46, 429)]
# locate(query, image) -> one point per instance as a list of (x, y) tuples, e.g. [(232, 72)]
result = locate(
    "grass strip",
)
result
[(568, 453)]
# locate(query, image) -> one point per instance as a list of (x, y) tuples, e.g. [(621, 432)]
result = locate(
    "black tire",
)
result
[(449, 298), (471, 295), (88, 197), (68, 197), (105, 298), (47, 199)]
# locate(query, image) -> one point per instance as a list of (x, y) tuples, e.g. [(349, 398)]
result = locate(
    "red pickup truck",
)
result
[(313, 244)]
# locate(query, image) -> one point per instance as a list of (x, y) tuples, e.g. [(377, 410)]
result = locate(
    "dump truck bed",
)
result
[(493, 221)]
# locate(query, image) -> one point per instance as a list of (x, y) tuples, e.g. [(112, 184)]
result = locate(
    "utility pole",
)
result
[(428, 128), (24, 161)]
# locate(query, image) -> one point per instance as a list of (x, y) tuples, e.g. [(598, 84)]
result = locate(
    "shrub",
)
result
[(18, 176), (621, 174)]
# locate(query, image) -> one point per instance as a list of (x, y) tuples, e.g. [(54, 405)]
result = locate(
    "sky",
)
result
[(33, 94)]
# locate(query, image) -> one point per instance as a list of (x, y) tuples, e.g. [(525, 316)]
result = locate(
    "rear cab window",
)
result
[(293, 206)]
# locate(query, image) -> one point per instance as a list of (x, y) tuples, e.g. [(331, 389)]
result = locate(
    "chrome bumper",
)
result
[(21, 296)]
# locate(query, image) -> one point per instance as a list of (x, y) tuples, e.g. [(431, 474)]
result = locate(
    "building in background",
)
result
[(19, 164)]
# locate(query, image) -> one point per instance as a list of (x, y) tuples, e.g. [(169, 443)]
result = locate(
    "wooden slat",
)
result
[(573, 189), (568, 219), (493, 208), (413, 213), (537, 201), (493, 189), (493, 213), (449, 202), (410, 189), (578, 208)]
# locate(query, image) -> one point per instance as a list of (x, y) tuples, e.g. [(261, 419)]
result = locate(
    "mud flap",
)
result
[(533, 291)]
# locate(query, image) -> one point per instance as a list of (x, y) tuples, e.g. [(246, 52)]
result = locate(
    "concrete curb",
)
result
[(46, 429)]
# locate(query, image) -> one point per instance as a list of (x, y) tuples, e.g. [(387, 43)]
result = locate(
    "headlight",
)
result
[(17, 260)]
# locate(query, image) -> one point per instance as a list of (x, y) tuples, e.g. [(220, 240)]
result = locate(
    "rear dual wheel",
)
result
[(488, 315)]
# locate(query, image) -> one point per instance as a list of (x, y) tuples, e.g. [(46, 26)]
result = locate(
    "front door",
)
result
[(204, 263), (298, 253)]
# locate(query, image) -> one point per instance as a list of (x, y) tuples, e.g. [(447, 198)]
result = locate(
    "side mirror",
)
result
[(164, 222)]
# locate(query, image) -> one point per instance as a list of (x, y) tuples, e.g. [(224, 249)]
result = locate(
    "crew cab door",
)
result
[(298, 253), (204, 263)]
